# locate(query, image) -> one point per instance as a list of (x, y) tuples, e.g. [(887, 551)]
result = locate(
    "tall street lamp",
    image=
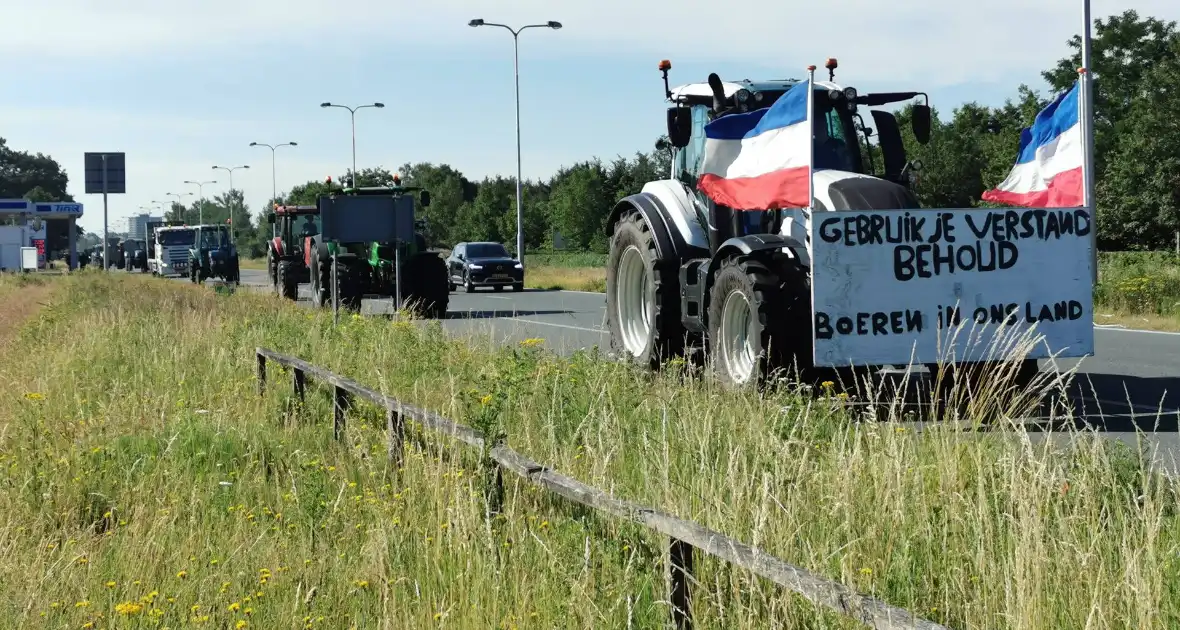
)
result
[(516, 71), (230, 170), (352, 114), (274, 189), (180, 203), (200, 198)]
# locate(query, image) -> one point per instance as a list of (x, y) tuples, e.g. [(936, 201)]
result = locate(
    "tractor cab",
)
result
[(838, 124), (840, 161)]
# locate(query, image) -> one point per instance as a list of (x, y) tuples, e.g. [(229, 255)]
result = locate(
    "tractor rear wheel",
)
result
[(427, 281), (272, 267), (756, 322), (642, 302), (286, 281)]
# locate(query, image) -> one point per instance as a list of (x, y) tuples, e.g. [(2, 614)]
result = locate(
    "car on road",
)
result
[(484, 264)]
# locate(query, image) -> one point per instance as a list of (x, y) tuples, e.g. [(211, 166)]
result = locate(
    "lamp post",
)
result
[(200, 198), (230, 170), (274, 189), (178, 201), (352, 114), (516, 71)]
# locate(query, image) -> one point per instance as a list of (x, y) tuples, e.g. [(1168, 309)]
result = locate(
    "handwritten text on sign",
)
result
[(892, 286)]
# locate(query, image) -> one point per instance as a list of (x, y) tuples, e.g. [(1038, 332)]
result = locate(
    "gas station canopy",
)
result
[(44, 210)]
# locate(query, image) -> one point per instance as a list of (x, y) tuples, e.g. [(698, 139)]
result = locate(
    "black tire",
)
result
[(780, 329), (468, 286), (518, 287), (288, 287), (321, 277), (192, 273), (349, 284), (272, 267), (426, 281), (667, 337)]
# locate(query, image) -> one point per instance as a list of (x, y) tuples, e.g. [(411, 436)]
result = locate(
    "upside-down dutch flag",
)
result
[(1048, 171), (760, 160)]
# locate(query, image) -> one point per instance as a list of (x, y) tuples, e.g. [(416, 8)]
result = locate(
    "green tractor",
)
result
[(350, 217), (213, 255), (288, 254)]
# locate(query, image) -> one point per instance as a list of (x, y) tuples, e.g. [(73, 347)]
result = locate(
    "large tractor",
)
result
[(213, 255), (733, 286), (349, 217), (288, 253)]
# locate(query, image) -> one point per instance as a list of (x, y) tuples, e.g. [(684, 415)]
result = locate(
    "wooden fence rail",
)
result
[(684, 536)]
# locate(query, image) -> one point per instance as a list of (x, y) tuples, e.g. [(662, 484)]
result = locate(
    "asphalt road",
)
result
[(1132, 381)]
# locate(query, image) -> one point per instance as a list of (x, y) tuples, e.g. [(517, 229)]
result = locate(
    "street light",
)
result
[(274, 189), (178, 201), (201, 198), (516, 71), (352, 114), (230, 170)]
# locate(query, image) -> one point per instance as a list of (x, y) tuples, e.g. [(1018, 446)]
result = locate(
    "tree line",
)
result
[(1137, 160)]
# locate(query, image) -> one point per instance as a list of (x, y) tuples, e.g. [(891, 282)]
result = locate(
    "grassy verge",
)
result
[(1139, 290), (252, 263), (147, 485)]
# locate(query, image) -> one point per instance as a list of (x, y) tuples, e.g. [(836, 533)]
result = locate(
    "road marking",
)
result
[(533, 321), (1118, 328)]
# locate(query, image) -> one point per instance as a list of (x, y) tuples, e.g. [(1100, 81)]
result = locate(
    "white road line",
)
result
[(1117, 328), (1133, 406), (533, 321)]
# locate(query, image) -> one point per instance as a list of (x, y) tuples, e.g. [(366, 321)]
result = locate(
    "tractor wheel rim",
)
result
[(738, 356), (634, 301)]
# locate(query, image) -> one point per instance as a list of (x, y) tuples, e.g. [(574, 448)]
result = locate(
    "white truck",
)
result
[(172, 244)]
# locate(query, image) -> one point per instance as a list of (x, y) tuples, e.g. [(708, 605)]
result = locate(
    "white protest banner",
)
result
[(901, 286)]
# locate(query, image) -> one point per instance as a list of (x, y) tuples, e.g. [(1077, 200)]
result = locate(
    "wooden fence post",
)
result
[(261, 373), (340, 408), (298, 383), (397, 436), (679, 573)]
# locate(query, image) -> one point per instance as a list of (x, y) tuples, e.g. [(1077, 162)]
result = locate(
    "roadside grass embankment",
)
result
[(147, 484), (1139, 290)]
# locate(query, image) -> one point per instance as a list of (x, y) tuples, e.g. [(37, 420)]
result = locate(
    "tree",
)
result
[(579, 204)]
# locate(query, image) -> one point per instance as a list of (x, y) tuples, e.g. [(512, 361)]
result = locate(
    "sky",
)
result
[(184, 85)]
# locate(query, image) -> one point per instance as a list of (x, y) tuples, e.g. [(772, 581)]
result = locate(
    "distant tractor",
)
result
[(856, 278), (288, 254), (134, 254), (212, 255), (350, 219)]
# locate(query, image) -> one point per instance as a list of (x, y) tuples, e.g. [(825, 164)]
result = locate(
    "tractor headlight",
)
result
[(850, 93), (741, 96)]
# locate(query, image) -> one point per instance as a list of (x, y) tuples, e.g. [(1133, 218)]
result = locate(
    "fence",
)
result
[(683, 536)]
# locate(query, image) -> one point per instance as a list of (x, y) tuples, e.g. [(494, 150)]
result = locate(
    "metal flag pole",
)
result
[(811, 142), (1086, 112)]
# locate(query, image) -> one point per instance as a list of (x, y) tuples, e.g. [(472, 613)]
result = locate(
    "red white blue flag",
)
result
[(1048, 171)]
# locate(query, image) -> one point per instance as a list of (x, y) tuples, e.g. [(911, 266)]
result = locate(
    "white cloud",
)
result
[(939, 42)]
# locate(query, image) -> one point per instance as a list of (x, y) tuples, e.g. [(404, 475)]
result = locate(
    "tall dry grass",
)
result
[(144, 477)]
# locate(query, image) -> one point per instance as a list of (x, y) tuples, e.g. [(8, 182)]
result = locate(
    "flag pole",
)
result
[(1086, 117), (811, 142)]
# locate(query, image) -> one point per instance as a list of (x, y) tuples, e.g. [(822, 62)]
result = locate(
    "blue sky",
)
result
[(185, 87)]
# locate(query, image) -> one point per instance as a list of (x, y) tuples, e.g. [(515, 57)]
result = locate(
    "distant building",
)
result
[(137, 225)]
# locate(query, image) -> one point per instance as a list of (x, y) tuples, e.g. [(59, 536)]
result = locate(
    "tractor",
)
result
[(212, 255), (287, 254), (689, 278), (349, 216)]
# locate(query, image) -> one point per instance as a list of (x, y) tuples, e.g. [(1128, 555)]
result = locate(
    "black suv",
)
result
[(484, 264)]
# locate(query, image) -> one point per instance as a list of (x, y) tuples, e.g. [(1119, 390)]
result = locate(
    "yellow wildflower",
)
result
[(128, 608)]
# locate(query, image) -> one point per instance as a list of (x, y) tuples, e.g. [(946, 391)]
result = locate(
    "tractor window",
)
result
[(694, 153), (306, 225), (213, 239), (835, 140)]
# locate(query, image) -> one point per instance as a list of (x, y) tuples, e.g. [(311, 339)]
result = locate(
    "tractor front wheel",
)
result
[(754, 323), (288, 287), (321, 276)]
